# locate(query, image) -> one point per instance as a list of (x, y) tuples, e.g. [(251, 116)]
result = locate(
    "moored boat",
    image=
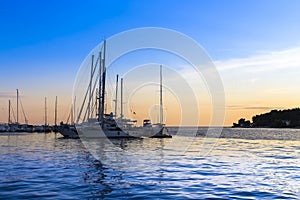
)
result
[(68, 130), (108, 125), (3, 128)]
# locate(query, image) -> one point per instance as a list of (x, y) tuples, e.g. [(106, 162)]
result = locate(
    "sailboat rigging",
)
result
[(110, 125)]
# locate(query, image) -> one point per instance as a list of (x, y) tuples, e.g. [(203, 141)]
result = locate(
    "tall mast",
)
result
[(116, 100), (45, 112), (55, 116), (9, 119), (99, 88), (121, 98), (96, 103), (17, 106), (72, 114), (161, 103), (74, 108), (103, 85), (90, 89)]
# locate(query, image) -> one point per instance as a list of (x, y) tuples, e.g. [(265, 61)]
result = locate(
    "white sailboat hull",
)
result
[(97, 132)]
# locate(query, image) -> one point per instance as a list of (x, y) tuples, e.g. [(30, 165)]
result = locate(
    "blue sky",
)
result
[(42, 43), (232, 23)]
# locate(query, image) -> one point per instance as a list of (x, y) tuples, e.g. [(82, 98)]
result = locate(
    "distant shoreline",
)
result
[(289, 118)]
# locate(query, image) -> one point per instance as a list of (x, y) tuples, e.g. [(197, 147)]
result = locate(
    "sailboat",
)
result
[(44, 128), (104, 125), (162, 129), (108, 125), (148, 129), (16, 126), (66, 129)]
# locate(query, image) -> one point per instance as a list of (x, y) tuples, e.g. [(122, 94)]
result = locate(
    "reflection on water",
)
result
[(46, 166)]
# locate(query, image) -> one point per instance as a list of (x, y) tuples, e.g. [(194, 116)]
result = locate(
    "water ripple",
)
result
[(47, 167)]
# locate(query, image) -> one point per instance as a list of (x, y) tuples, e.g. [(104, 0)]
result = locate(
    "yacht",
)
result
[(108, 125)]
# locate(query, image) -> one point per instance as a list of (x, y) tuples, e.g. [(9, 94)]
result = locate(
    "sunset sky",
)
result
[(255, 45)]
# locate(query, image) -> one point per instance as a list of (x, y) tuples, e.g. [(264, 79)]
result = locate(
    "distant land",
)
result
[(289, 118)]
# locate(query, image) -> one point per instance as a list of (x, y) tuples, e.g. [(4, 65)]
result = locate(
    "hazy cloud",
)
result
[(7, 95), (241, 107), (262, 62)]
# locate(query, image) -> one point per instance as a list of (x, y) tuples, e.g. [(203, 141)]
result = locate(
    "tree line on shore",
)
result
[(289, 118)]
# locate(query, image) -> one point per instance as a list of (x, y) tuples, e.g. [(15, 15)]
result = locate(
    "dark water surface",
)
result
[(44, 166)]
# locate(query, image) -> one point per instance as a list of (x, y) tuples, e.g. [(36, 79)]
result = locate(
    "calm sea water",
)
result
[(243, 164)]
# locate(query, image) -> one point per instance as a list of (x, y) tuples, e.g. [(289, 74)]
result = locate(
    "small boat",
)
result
[(13, 127), (3, 128), (42, 129), (65, 129), (23, 128), (68, 130), (16, 126)]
